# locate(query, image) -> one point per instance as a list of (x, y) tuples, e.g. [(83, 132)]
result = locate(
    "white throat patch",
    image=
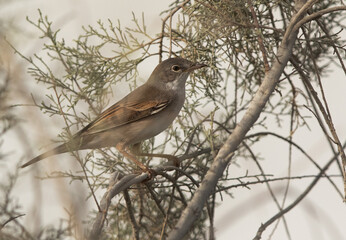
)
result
[(174, 85)]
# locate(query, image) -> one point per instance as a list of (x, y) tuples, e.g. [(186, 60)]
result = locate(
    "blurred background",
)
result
[(321, 215)]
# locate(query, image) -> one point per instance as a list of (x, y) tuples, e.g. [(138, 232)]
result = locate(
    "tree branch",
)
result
[(118, 183), (318, 14), (294, 203), (192, 211), (135, 227)]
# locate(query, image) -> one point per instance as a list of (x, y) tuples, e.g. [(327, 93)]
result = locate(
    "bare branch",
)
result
[(223, 157), (118, 183), (135, 227), (10, 219), (259, 37), (169, 16), (294, 203), (316, 15)]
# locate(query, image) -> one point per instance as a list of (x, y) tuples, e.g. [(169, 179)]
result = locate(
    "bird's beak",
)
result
[(196, 66)]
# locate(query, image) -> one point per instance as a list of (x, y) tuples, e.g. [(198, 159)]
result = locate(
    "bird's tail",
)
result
[(59, 149)]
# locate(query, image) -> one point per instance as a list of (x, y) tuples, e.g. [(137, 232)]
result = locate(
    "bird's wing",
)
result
[(123, 112)]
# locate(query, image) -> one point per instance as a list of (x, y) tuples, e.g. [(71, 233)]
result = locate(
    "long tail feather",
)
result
[(59, 149)]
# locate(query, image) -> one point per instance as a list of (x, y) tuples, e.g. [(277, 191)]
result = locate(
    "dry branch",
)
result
[(192, 211)]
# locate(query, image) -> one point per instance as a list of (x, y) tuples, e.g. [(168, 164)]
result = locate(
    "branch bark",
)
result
[(192, 211), (118, 183)]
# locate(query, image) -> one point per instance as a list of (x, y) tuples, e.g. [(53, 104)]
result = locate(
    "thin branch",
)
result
[(334, 47), (192, 211), (272, 194), (303, 152), (298, 16), (170, 15), (170, 204), (10, 220), (316, 15), (259, 37), (135, 227), (118, 183), (267, 180), (330, 125), (293, 204)]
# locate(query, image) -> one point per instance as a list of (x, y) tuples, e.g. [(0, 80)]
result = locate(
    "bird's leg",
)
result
[(136, 150), (122, 149)]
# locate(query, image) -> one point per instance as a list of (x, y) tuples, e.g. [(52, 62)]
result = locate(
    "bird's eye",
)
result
[(175, 68)]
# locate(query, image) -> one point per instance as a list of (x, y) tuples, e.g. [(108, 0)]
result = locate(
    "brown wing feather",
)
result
[(120, 114)]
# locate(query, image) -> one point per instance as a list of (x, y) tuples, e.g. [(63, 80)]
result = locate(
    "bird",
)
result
[(142, 114)]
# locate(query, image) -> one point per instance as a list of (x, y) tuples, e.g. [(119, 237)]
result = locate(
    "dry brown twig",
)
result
[(259, 37), (169, 16)]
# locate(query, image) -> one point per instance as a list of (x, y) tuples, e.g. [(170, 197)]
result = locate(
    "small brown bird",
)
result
[(141, 115)]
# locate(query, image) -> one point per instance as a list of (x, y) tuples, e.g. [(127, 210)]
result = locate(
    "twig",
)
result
[(118, 183), (272, 194), (330, 125), (298, 16), (248, 183), (9, 220), (170, 15), (293, 204), (302, 151), (259, 37), (135, 227), (316, 15), (335, 48), (170, 204), (156, 200), (192, 211)]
